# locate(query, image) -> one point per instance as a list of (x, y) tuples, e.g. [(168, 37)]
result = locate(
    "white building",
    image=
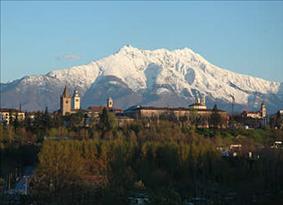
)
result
[(76, 100), (7, 115)]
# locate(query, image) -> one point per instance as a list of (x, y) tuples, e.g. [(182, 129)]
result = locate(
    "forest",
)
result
[(162, 162)]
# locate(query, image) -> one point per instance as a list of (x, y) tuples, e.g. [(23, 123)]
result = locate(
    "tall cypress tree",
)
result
[(215, 118)]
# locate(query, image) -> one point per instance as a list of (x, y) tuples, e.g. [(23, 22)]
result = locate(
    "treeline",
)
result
[(45, 125)]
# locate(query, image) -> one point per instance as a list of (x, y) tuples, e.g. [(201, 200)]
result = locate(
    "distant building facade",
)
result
[(8, 115), (261, 114), (93, 112), (109, 106), (255, 119), (196, 112)]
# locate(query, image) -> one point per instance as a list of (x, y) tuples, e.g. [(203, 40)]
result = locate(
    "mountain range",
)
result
[(133, 76)]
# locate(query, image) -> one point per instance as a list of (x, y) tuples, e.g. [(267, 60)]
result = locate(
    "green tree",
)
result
[(215, 118), (76, 120), (60, 165), (107, 120), (15, 122)]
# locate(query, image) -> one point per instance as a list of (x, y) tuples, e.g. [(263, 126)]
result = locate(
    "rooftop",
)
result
[(139, 107), (9, 110), (100, 108)]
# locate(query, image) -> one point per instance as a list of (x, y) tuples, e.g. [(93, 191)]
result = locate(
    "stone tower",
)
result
[(65, 102), (76, 100), (263, 110), (109, 102)]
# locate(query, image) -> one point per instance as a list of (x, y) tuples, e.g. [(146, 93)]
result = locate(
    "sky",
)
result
[(37, 37)]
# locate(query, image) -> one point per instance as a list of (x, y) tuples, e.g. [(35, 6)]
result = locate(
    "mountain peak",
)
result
[(186, 52), (127, 48)]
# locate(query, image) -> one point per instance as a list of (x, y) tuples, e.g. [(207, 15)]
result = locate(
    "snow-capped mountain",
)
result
[(148, 77)]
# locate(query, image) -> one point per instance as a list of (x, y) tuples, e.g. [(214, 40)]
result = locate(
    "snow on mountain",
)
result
[(137, 76), (80, 76)]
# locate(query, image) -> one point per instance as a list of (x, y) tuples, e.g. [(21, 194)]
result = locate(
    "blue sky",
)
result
[(37, 37)]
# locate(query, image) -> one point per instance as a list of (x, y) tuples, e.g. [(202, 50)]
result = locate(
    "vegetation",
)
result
[(163, 162)]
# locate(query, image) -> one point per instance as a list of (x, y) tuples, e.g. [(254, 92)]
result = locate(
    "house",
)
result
[(7, 115)]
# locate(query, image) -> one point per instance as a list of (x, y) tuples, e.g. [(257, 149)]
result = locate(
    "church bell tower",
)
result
[(263, 110), (76, 100), (65, 102)]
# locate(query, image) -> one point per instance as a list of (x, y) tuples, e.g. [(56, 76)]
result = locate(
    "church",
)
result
[(72, 104), (69, 104)]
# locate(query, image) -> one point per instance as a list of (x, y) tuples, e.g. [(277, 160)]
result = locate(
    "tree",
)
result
[(107, 120), (215, 118), (76, 119), (60, 165), (16, 122), (46, 119)]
